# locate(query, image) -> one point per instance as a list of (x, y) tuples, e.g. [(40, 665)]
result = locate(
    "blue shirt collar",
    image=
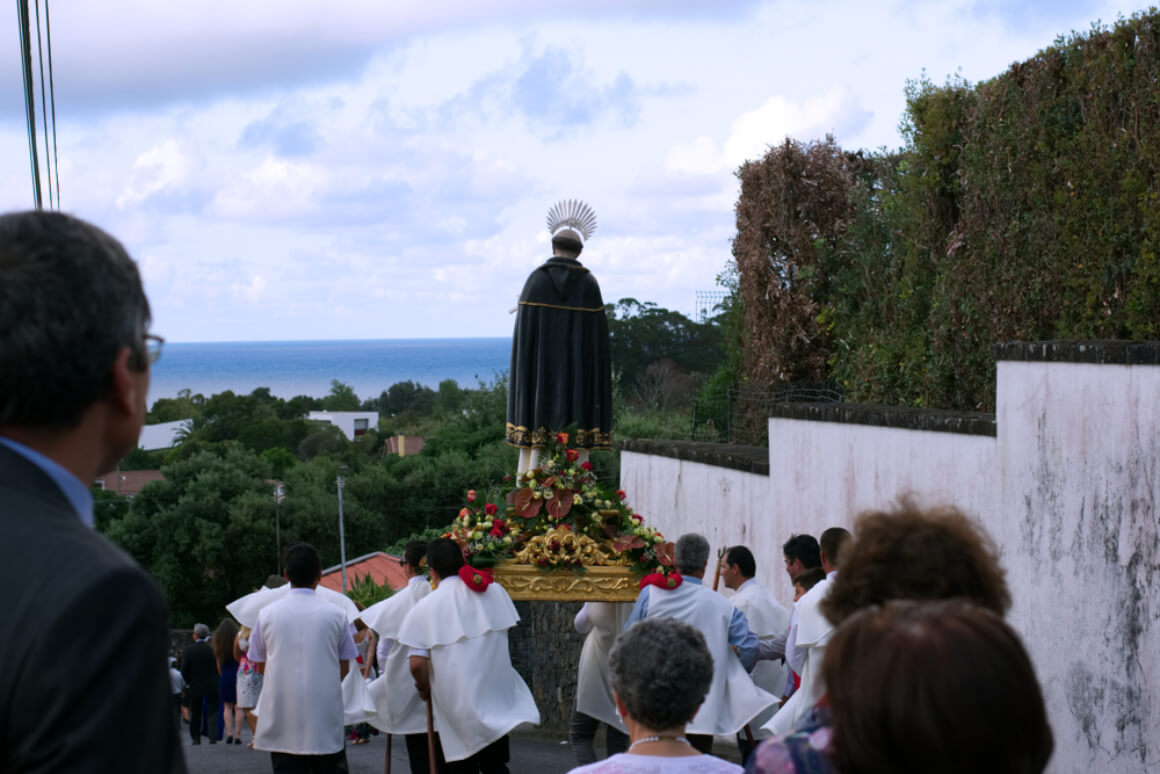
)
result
[(74, 490), (693, 579)]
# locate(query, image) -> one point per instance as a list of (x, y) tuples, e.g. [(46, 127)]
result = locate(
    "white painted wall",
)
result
[(1068, 489), (345, 420), (162, 435)]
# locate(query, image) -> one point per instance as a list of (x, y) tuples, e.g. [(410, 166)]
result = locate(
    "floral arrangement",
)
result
[(561, 509)]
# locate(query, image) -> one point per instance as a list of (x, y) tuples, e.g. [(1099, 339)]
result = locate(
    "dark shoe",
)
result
[(237, 740), (229, 740)]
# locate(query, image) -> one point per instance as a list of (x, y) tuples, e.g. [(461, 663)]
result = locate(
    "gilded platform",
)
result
[(525, 582)]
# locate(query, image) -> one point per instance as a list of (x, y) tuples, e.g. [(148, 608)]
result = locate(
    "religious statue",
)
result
[(560, 369)]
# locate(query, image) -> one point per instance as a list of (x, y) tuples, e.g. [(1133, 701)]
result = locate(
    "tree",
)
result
[(341, 398)]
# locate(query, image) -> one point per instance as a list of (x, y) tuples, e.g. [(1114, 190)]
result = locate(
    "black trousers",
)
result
[(285, 763), (211, 706), (417, 754), (492, 759)]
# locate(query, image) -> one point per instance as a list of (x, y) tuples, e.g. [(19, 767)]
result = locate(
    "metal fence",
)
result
[(741, 414)]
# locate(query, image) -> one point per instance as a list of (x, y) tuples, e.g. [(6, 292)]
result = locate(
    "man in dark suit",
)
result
[(84, 636), (199, 668)]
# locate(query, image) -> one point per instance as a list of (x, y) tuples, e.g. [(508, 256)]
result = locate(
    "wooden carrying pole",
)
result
[(387, 768)]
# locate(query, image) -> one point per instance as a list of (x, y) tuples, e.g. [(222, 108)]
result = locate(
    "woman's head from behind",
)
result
[(916, 553), (661, 671), (223, 639), (934, 686)]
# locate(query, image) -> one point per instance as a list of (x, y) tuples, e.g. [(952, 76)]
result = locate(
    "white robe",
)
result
[(594, 676), (477, 695), (398, 708), (733, 699), (812, 632), (767, 619), (300, 709)]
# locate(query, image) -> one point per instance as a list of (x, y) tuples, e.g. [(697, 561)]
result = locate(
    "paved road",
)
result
[(530, 753)]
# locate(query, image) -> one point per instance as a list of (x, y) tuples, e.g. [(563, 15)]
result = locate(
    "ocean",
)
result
[(292, 368)]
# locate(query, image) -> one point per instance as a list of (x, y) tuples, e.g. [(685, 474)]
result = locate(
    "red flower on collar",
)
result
[(662, 581), (476, 580)]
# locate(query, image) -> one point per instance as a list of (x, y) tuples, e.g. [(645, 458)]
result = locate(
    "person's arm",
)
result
[(794, 656), (343, 668), (370, 657), (639, 608), (421, 672), (257, 651), (347, 650), (743, 640), (772, 648)]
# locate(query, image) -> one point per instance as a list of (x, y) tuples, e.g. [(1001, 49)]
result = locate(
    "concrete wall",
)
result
[(345, 420), (1065, 477)]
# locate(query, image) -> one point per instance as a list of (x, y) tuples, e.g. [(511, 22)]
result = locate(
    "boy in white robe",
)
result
[(459, 657), (399, 710)]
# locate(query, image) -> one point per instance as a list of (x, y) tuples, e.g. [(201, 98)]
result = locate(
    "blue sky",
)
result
[(300, 170)]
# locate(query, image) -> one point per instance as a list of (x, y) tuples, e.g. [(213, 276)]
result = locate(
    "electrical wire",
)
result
[(52, 100), (43, 103)]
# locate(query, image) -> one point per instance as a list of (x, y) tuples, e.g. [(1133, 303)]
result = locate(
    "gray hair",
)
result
[(70, 300), (201, 631), (692, 553), (661, 670)]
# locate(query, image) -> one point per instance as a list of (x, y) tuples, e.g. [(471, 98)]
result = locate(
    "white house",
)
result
[(161, 436), (351, 423)]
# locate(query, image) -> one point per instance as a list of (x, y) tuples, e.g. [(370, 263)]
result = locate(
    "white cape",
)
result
[(477, 695), (813, 632), (733, 699), (767, 618), (594, 676), (398, 708)]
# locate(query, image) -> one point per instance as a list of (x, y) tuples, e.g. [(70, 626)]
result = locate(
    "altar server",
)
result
[(602, 622), (399, 710), (766, 617), (303, 647), (733, 699), (459, 657)]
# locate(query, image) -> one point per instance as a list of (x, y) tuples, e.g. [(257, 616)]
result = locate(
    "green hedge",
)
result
[(1026, 207)]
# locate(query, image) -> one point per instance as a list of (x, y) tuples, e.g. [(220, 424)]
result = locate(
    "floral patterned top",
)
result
[(800, 753)]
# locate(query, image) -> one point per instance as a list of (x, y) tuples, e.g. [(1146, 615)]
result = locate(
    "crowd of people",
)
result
[(895, 655)]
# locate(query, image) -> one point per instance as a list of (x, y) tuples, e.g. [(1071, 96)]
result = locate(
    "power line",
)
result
[(29, 106), (52, 99), (43, 103)]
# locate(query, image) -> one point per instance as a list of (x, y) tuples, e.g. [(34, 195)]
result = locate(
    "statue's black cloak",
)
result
[(560, 370)]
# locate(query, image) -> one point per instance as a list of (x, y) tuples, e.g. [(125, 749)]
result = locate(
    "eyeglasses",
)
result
[(153, 344)]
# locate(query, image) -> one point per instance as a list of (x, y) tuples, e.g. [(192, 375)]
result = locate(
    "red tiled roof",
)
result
[(128, 482), (412, 444), (383, 568)]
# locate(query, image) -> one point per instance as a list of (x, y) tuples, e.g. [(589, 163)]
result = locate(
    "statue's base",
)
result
[(526, 582)]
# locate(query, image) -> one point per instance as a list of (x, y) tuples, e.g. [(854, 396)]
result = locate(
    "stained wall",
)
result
[(1064, 476)]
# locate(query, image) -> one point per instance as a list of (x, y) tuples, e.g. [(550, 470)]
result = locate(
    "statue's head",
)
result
[(570, 223)]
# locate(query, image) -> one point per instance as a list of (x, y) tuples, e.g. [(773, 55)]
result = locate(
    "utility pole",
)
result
[(29, 106), (279, 496), (341, 536)]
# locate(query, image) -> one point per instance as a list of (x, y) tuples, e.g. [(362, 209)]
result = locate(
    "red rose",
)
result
[(585, 465), (637, 518), (620, 494), (498, 524), (496, 532), (491, 509), (572, 455)]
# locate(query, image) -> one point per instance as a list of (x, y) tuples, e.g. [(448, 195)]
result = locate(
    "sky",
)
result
[(366, 170)]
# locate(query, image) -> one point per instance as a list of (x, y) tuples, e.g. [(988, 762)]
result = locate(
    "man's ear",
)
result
[(123, 389)]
